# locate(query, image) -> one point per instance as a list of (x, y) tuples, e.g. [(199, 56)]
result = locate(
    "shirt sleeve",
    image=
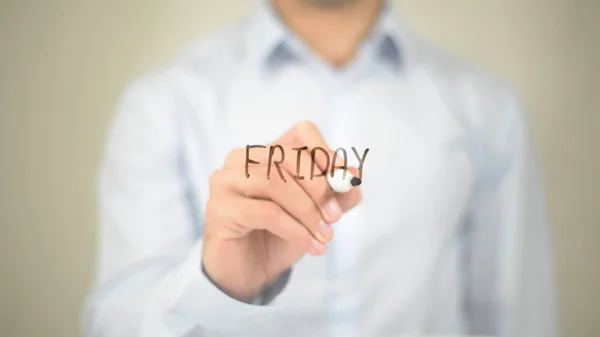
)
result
[(510, 280), (149, 281)]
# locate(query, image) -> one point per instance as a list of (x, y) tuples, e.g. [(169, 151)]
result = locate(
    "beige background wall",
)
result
[(63, 64)]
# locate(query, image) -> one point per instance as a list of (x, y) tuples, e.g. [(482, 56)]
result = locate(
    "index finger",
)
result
[(306, 135)]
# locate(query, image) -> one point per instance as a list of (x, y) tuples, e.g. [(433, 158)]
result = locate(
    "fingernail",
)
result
[(318, 247), (333, 210), (324, 231)]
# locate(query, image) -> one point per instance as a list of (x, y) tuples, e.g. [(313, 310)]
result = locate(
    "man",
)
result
[(446, 235)]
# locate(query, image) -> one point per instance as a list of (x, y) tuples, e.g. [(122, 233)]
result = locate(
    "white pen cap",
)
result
[(341, 183)]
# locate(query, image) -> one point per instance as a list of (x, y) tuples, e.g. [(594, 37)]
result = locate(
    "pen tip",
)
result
[(355, 181)]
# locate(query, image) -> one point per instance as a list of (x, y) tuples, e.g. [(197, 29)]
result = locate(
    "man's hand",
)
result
[(256, 228)]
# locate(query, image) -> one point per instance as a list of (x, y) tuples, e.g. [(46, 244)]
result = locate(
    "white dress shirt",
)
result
[(451, 235)]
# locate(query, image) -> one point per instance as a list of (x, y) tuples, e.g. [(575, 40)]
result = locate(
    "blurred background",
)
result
[(63, 64)]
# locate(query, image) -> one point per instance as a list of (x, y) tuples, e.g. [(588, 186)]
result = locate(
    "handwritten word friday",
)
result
[(313, 154)]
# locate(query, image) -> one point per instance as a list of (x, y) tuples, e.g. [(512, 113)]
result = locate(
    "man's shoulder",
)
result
[(224, 47), (481, 96), (206, 63), (445, 66), (212, 58)]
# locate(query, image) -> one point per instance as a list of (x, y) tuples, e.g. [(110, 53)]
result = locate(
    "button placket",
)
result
[(344, 252)]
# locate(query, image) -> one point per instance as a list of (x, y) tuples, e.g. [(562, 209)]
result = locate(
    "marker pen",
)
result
[(341, 184)]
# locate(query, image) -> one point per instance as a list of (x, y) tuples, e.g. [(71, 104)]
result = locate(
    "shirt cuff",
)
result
[(270, 292), (193, 297)]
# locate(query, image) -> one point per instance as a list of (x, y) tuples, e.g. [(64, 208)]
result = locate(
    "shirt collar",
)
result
[(269, 39)]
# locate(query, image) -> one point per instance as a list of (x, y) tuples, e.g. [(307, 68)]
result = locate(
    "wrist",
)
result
[(239, 280)]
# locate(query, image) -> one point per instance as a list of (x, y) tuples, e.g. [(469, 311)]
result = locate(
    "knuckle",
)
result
[(270, 211), (298, 234), (301, 130), (215, 209), (304, 237), (306, 126), (293, 136), (311, 215), (259, 187), (232, 157), (215, 179)]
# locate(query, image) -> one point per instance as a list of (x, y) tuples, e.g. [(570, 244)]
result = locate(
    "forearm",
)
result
[(132, 303), (170, 297)]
